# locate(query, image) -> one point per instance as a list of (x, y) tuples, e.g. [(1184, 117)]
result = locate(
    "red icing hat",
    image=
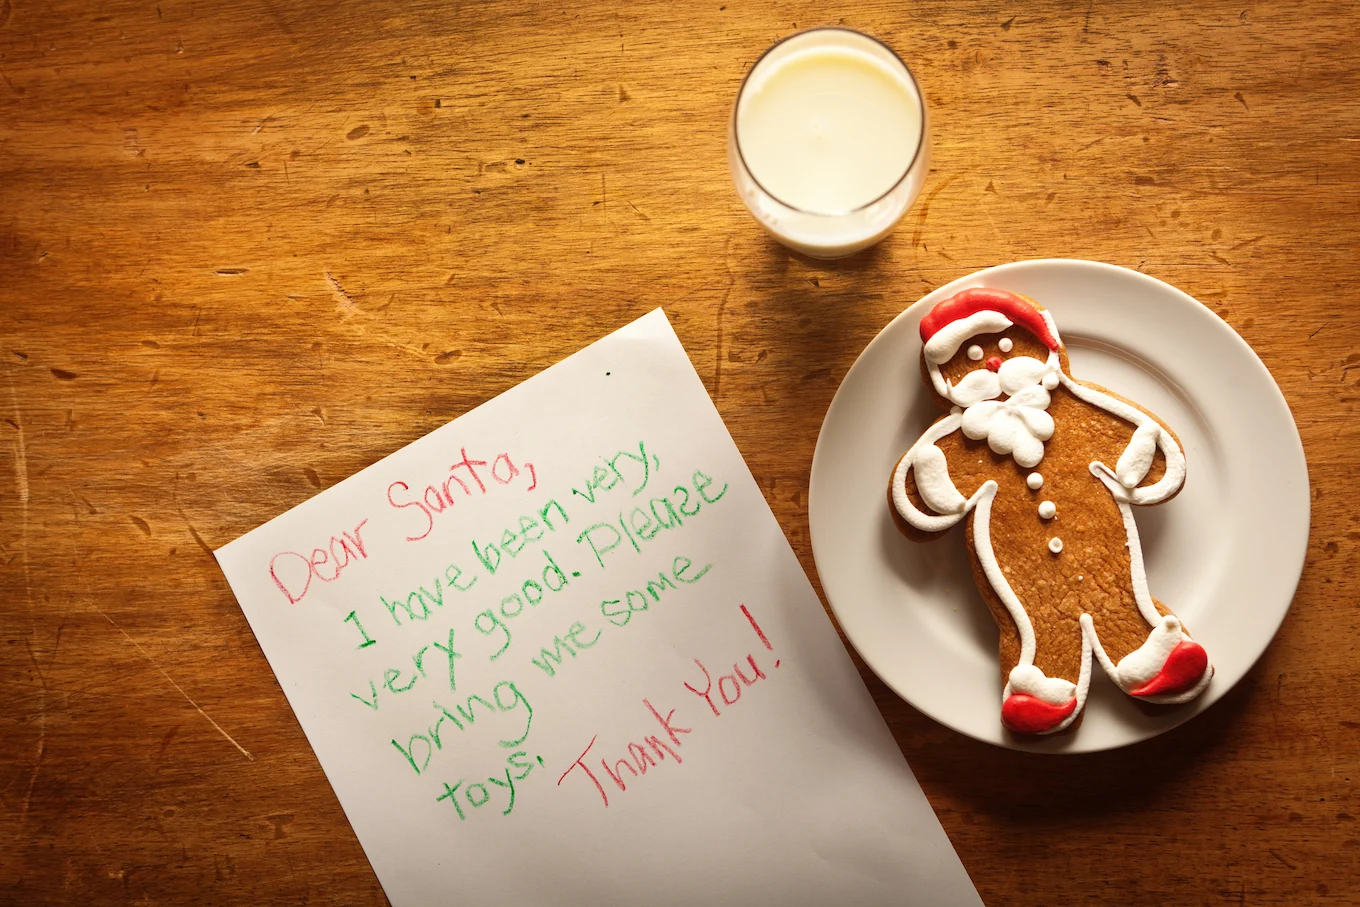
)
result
[(984, 299)]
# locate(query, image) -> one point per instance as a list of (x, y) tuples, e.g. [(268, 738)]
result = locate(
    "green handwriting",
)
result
[(421, 747), (418, 605), (477, 795), (551, 661), (392, 677), (646, 523), (604, 479), (495, 621), (529, 529), (354, 616), (619, 611)]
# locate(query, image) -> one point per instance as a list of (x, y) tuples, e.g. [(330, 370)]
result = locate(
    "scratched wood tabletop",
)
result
[(248, 247)]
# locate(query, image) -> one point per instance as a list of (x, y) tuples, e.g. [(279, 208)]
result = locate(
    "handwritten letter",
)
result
[(558, 651)]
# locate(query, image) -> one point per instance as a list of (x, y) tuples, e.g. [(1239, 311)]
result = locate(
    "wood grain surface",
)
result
[(248, 247)]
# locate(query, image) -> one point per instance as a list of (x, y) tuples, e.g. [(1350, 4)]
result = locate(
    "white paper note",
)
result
[(558, 651)]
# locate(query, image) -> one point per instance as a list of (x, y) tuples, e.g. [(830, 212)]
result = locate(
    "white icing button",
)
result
[(1047, 509), (1005, 344), (1050, 381), (955, 410), (975, 352), (1034, 481), (1055, 545)]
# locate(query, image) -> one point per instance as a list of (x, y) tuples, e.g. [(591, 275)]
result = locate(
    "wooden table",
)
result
[(248, 247)]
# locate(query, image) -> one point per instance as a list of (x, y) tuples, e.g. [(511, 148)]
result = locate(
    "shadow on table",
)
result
[(1010, 785), (823, 301)]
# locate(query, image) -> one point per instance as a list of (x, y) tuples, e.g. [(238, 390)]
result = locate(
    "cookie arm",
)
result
[(937, 491), (1149, 438)]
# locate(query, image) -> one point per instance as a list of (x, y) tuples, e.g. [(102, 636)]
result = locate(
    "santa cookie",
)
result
[(1047, 470)]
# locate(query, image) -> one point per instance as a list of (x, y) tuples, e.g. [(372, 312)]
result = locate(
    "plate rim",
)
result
[(1294, 553)]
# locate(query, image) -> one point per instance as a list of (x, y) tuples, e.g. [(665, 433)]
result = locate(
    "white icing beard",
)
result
[(1018, 425)]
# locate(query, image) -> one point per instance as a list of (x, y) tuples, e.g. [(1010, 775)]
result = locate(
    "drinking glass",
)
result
[(829, 141)]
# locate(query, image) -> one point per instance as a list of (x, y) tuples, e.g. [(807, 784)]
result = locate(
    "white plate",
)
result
[(1225, 554)]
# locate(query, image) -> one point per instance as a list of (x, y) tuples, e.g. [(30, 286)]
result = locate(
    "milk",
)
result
[(828, 142)]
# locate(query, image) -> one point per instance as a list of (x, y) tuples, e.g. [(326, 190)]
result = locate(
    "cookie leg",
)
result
[(1046, 693), (1047, 664), (1168, 667)]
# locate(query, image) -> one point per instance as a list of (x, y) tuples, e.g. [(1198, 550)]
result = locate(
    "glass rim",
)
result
[(911, 77)]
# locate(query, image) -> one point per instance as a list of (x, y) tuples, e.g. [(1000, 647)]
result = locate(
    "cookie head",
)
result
[(985, 344)]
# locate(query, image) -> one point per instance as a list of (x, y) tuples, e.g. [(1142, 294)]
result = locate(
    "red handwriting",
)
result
[(731, 685), (639, 759), (463, 476), (759, 632), (289, 569)]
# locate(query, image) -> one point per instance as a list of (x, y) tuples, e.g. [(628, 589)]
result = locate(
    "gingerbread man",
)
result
[(1024, 455)]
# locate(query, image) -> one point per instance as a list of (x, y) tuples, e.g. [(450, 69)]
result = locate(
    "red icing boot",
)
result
[(1183, 669), (1027, 714)]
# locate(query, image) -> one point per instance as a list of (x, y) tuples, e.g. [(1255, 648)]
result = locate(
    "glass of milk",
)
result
[(829, 141)]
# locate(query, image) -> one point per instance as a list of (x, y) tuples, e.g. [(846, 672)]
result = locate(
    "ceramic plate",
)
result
[(1225, 554)]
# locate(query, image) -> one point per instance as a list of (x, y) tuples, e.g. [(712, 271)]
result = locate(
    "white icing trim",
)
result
[(1083, 685), (1145, 662), (1136, 459), (1052, 327), (1088, 628), (1088, 632), (1141, 594), (937, 380), (937, 490), (927, 522), (945, 342), (1054, 363), (1164, 487), (1031, 681), (982, 548), (1155, 619)]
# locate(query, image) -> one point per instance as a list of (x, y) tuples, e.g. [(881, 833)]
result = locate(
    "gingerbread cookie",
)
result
[(1024, 454)]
